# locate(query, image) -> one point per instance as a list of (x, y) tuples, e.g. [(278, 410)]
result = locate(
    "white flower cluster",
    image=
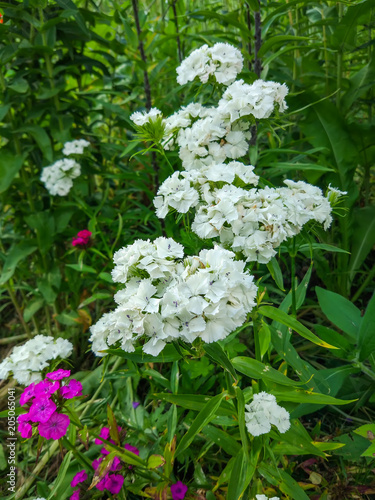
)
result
[(142, 117), (75, 147), (222, 61), (58, 178), (220, 188), (27, 361), (264, 497), (264, 411), (167, 298)]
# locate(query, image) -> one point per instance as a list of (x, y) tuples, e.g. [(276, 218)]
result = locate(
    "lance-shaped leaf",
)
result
[(294, 324), (202, 419)]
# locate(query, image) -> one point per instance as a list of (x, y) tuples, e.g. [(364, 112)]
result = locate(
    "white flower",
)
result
[(263, 497), (58, 178), (75, 147), (222, 61), (165, 297), (142, 117), (264, 412), (334, 194), (175, 192), (28, 360)]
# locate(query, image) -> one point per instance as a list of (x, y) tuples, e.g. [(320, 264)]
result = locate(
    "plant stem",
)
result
[(18, 309), (339, 63), (368, 280), (175, 20), (293, 278)]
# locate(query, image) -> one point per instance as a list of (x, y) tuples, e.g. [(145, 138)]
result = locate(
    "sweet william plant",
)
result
[(176, 306)]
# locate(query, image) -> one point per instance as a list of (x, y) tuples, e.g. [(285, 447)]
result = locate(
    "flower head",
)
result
[(80, 477), (132, 449), (58, 374), (75, 147), (135, 404), (55, 427), (179, 490), (75, 495), (263, 412), (82, 239), (42, 409), (72, 389), (25, 429), (114, 483), (46, 388), (27, 394)]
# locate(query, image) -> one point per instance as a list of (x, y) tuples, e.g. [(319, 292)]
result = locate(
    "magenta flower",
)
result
[(72, 389), (45, 388), (58, 374), (80, 477), (82, 239), (25, 429), (24, 417), (55, 427), (95, 464), (75, 495), (104, 433), (42, 409), (132, 449), (114, 483), (116, 464), (135, 404), (179, 490), (101, 484), (27, 394), (104, 451)]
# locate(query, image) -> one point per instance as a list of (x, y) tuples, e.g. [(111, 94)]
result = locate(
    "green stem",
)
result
[(293, 278), (368, 280), (18, 309), (339, 63)]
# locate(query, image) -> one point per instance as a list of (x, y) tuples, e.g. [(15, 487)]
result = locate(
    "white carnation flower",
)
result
[(263, 412), (142, 117), (28, 360), (75, 147), (58, 178)]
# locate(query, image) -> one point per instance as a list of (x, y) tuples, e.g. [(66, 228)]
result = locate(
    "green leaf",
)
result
[(259, 371), (290, 322), (363, 238), (32, 308), (44, 225), (41, 138), (215, 351), (59, 483), (303, 396), (4, 110), (279, 40), (296, 441), (367, 431), (82, 268), (321, 246), (277, 275), (17, 253), (112, 424), (239, 478), (155, 461), (167, 355), (340, 311), (19, 85), (366, 335), (93, 298), (195, 402), (264, 338), (300, 166), (222, 439), (10, 164), (205, 416)]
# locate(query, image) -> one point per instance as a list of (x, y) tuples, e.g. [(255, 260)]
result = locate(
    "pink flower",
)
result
[(42, 409), (45, 388), (24, 417), (55, 427), (178, 490), (82, 239), (27, 394), (114, 483), (132, 449), (116, 464), (104, 433), (72, 389), (58, 374), (80, 477), (95, 464), (25, 429), (101, 484), (75, 495), (104, 451)]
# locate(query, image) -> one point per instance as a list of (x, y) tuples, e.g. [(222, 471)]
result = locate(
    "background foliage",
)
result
[(78, 70)]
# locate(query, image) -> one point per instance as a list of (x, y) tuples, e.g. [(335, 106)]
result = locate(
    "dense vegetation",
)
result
[(79, 70)]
